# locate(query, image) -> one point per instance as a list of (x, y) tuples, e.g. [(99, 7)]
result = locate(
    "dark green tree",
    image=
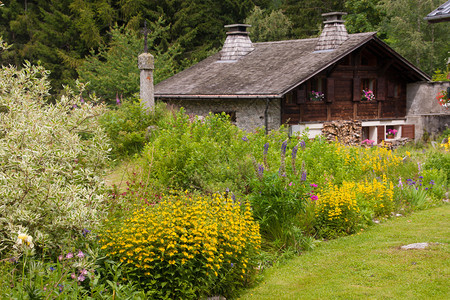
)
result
[(306, 15), (363, 15), (113, 70), (268, 26), (426, 45)]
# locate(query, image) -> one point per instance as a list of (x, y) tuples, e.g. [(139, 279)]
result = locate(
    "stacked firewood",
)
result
[(345, 132)]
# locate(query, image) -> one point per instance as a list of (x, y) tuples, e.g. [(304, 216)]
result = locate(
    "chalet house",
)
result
[(302, 83)]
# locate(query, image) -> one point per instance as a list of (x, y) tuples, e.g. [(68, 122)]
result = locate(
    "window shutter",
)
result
[(330, 90), (380, 134), (408, 131), (381, 89), (301, 94), (356, 89)]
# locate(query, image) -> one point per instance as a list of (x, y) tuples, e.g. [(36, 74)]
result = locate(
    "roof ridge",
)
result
[(311, 39)]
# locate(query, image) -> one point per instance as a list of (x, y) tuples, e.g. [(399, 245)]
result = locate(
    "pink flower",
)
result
[(314, 197), (60, 258), (80, 254), (83, 272), (290, 184), (73, 276), (313, 185), (69, 255), (81, 278)]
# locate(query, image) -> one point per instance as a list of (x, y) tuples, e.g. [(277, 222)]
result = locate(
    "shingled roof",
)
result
[(440, 14), (271, 70)]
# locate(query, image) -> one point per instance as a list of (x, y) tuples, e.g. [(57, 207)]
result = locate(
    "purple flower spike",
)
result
[(303, 177), (294, 152), (283, 147), (245, 139), (302, 144), (266, 148)]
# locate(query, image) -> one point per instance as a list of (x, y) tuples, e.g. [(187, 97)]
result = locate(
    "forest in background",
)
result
[(99, 40)]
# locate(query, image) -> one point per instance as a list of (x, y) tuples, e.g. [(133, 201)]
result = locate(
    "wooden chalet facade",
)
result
[(342, 85), (302, 83)]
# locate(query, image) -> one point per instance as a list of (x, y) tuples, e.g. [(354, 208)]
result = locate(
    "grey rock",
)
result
[(418, 246)]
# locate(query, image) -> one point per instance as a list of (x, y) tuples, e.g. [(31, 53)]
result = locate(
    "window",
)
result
[(368, 84), (317, 91)]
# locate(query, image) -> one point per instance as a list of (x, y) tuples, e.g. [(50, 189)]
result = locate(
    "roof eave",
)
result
[(194, 97)]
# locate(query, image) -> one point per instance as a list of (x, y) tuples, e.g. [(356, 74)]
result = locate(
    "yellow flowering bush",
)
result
[(337, 212), (376, 197), (186, 246), (340, 209)]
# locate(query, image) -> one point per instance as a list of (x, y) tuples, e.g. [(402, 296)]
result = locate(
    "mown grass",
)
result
[(370, 264)]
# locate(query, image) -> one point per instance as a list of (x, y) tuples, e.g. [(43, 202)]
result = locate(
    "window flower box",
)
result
[(316, 96), (367, 95), (390, 134)]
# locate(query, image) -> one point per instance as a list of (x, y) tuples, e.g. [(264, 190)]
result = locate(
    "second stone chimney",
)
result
[(334, 32), (237, 44)]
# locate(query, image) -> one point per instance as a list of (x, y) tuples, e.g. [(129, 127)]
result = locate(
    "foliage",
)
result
[(439, 75), (306, 15), (424, 44), (194, 154), (51, 162), (268, 25), (113, 70), (129, 126), (363, 15), (72, 275), (186, 246)]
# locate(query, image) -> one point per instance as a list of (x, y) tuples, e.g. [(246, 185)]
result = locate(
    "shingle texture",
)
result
[(235, 47), (332, 36), (440, 14), (270, 69)]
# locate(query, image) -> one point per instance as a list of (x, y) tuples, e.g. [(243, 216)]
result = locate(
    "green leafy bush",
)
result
[(186, 246), (129, 126), (51, 162)]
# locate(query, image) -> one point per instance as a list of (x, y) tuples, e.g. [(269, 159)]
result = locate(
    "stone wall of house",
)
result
[(424, 111), (250, 113)]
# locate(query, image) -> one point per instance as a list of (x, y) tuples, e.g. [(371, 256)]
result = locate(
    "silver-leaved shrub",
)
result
[(52, 158)]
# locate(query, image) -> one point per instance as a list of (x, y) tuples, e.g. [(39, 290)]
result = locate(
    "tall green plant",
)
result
[(51, 162)]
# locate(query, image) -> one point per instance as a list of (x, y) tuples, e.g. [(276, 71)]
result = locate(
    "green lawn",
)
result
[(370, 265)]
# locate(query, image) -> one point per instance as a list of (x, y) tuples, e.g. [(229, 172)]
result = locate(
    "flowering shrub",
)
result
[(368, 95), (443, 99), (368, 142), (316, 96), (52, 157), (337, 211), (186, 246), (375, 197)]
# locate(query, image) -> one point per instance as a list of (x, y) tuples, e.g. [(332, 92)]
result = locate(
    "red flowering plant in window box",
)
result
[(443, 98), (391, 133)]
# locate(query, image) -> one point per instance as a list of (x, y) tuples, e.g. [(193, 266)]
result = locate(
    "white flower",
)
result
[(25, 239)]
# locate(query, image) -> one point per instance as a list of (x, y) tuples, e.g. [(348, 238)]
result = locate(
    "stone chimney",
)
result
[(334, 32), (237, 44)]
